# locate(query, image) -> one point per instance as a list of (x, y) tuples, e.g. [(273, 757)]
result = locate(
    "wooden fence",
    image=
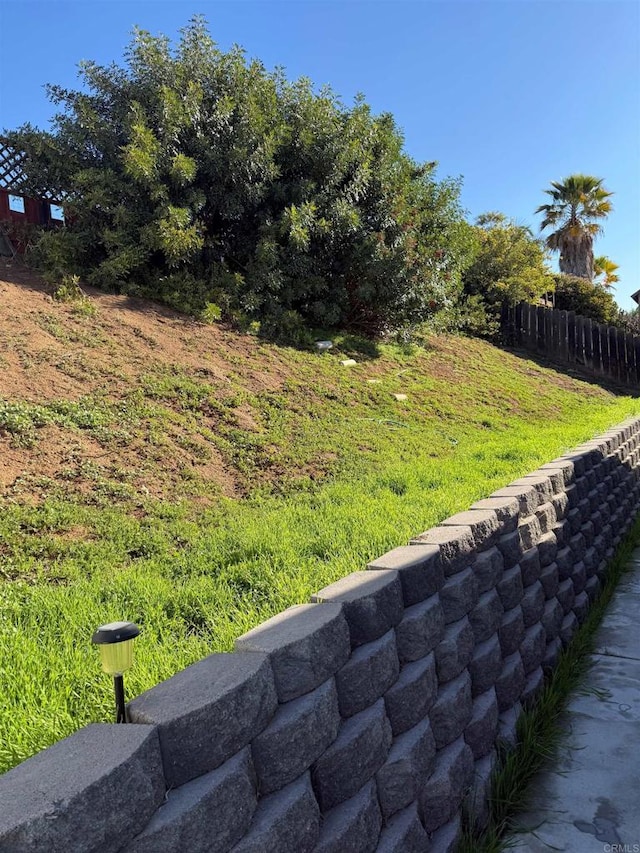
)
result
[(567, 337)]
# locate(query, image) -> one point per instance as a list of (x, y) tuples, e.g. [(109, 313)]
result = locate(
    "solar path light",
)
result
[(116, 653)]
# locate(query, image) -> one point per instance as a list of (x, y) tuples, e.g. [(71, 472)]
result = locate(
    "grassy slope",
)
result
[(199, 488)]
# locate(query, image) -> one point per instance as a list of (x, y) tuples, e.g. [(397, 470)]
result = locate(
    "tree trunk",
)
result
[(576, 256)]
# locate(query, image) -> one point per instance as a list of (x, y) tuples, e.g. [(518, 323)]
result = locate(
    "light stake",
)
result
[(116, 653)]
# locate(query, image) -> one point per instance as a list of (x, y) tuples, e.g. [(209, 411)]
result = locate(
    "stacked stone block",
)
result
[(366, 720)]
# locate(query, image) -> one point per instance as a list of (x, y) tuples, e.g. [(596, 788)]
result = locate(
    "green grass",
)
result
[(333, 473), (540, 729)]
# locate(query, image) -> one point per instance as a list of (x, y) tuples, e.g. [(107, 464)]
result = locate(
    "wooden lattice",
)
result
[(12, 176)]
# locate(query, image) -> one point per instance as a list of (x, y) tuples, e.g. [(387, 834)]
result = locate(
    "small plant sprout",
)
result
[(116, 654)]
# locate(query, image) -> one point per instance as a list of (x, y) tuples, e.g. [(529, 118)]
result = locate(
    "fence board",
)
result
[(596, 339), (588, 343), (540, 328), (579, 340), (632, 368), (566, 337), (571, 335)]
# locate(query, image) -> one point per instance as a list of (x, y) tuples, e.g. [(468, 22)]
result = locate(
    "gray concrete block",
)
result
[(413, 694), (566, 595), (486, 616), (443, 792), (510, 548), (510, 588), (552, 655), (591, 560), (556, 476), (568, 628), (593, 588), (285, 822), (183, 822), (560, 503), (404, 833), (542, 483), (506, 508), (565, 465), (546, 515), (532, 604), (483, 523), (408, 765), (524, 493), (358, 752), (589, 533), (529, 531), (208, 712), (420, 629), (584, 506), (581, 607), (306, 645), (550, 580), (562, 531), (459, 595), (564, 561), (511, 630), (551, 619), (533, 647), (510, 683), (476, 804), (457, 546), (368, 674), (452, 710), (507, 726), (488, 567), (372, 603), (298, 734), (533, 687), (419, 568), (531, 566), (485, 665), (89, 793), (454, 651), (482, 728), (579, 577), (547, 549), (353, 825), (574, 517), (448, 837), (579, 461), (573, 496)]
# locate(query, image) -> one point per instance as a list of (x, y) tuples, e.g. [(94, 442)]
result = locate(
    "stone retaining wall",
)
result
[(366, 720)]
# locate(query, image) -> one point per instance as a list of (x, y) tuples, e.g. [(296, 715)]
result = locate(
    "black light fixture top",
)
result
[(115, 632)]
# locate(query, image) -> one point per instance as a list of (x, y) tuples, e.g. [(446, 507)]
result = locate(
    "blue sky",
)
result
[(510, 95)]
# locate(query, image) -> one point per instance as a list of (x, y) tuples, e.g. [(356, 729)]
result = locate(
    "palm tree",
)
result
[(602, 266), (578, 202)]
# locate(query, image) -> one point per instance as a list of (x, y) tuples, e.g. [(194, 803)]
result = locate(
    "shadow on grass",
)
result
[(575, 371)]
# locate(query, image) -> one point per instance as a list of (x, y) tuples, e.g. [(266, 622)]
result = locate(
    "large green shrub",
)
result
[(197, 177), (509, 265), (589, 300)]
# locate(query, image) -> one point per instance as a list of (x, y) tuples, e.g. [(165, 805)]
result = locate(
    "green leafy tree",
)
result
[(196, 177), (578, 204), (574, 293), (509, 265)]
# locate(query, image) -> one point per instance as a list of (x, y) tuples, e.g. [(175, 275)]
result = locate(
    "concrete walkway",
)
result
[(590, 799)]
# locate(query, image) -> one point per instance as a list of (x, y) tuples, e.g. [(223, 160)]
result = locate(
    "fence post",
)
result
[(597, 347), (518, 324)]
